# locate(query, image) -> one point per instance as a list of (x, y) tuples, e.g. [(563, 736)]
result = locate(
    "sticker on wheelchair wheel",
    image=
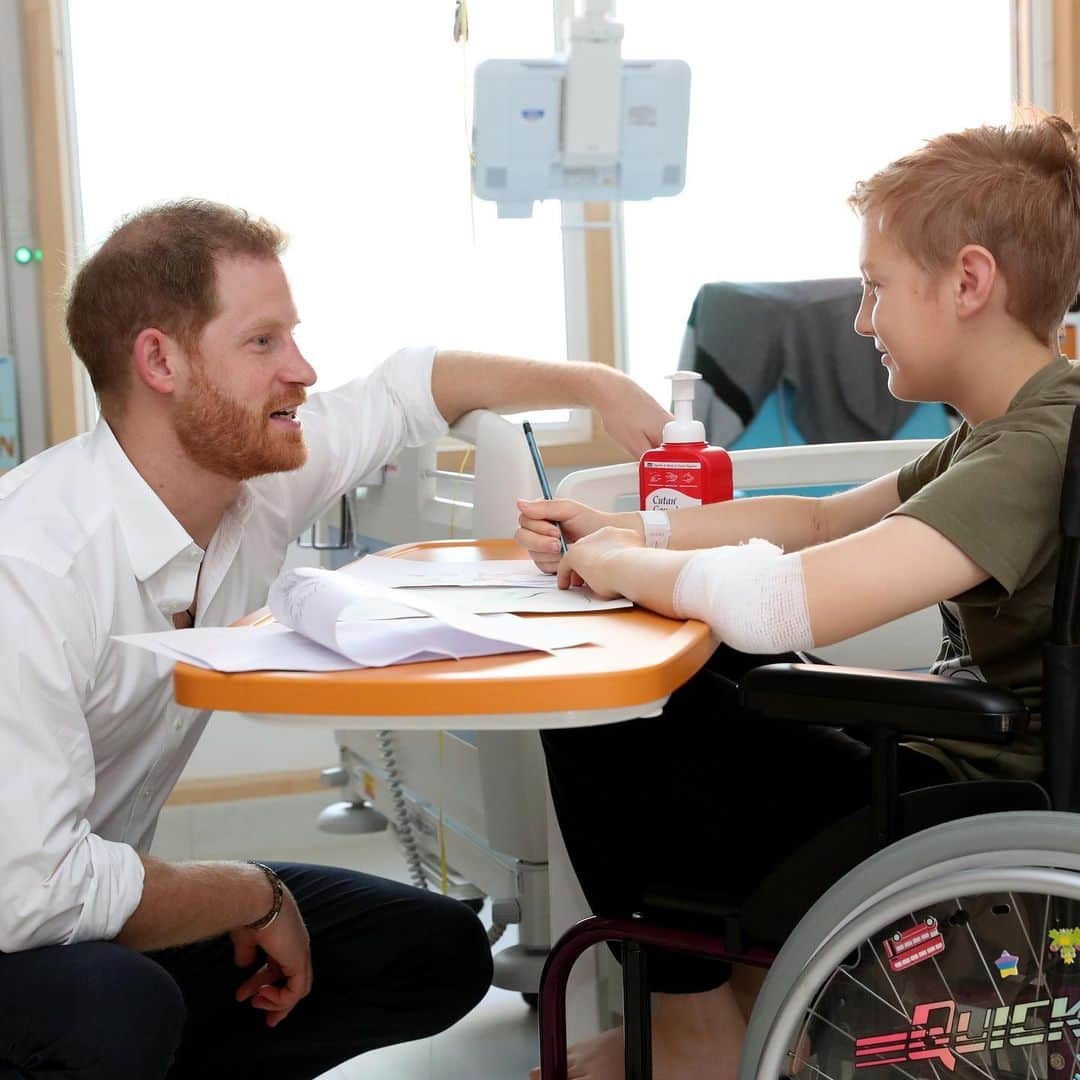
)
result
[(946, 1032), (1007, 964), (1065, 942), (906, 948)]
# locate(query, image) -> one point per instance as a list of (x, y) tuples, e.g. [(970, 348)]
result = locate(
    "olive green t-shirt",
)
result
[(993, 490)]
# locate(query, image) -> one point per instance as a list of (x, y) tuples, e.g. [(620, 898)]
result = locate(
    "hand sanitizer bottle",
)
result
[(684, 470)]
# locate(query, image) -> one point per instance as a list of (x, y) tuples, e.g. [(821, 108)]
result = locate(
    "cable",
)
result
[(402, 824), (404, 827), (461, 36), (454, 491)]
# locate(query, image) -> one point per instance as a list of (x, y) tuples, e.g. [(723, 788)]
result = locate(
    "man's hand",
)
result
[(632, 417), (285, 978), (539, 533), (462, 381), (595, 561)]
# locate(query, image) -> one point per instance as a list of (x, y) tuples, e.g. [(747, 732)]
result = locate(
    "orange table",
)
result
[(639, 658)]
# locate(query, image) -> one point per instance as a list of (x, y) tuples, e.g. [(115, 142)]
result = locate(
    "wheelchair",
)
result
[(953, 947)]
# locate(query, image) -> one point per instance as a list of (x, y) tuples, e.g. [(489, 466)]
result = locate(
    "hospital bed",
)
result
[(470, 807)]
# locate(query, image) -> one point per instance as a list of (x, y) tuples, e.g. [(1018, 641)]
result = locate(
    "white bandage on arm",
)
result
[(752, 595)]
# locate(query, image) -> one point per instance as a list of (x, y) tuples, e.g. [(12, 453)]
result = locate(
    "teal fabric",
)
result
[(773, 425)]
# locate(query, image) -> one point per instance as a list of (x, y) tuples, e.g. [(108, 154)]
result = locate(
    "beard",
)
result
[(224, 437)]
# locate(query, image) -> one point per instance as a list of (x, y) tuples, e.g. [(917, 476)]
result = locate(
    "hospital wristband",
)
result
[(657, 526)]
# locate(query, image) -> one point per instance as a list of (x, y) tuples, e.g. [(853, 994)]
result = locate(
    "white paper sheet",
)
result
[(490, 600), (319, 603), (412, 573), (493, 601), (232, 649), (277, 648), (322, 625)]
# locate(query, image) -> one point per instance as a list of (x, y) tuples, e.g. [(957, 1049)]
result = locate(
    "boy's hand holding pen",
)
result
[(539, 521), (546, 525)]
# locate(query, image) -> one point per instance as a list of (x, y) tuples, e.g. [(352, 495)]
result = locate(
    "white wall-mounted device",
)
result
[(584, 127)]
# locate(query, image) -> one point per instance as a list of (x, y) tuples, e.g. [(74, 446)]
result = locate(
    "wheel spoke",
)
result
[(870, 994)]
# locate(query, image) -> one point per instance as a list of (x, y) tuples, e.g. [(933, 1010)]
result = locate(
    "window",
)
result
[(791, 103), (345, 124)]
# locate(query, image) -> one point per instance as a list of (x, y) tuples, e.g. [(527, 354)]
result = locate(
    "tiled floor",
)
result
[(497, 1041)]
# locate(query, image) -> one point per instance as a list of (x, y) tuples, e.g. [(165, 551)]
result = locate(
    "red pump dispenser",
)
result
[(684, 470)]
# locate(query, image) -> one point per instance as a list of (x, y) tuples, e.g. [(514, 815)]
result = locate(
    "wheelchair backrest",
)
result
[(1061, 654)]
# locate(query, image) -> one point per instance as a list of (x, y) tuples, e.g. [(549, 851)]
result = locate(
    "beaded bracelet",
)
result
[(279, 897)]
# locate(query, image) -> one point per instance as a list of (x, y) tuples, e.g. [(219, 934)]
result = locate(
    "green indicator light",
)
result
[(23, 255), (37, 255)]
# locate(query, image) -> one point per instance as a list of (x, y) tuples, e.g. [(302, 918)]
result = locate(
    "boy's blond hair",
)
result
[(1014, 191)]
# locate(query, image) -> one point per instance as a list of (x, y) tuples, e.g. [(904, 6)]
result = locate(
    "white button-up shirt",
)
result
[(91, 741)]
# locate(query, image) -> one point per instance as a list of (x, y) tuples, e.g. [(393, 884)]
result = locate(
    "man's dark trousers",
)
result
[(390, 963)]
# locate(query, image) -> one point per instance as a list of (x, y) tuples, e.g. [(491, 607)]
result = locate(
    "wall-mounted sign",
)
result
[(9, 416)]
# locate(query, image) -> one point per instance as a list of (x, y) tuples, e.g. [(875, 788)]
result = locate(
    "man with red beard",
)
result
[(177, 510)]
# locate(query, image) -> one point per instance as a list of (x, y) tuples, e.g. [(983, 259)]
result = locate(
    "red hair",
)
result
[(1015, 192), (156, 269)]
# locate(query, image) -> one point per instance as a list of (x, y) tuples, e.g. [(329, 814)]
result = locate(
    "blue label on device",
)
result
[(9, 415)]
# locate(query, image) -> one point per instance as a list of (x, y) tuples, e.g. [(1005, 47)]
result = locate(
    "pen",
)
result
[(545, 487)]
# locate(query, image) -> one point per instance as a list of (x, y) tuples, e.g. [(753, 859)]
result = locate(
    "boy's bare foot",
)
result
[(684, 1048), (601, 1058)]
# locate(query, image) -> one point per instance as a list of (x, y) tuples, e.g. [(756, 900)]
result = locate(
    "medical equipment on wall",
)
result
[(9, 415), (24, 421), (589, 126)]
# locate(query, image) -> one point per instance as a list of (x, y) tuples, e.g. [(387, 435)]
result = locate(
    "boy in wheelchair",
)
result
[(970, 258)]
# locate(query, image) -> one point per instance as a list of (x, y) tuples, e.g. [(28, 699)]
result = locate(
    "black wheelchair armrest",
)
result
[(909, 703)]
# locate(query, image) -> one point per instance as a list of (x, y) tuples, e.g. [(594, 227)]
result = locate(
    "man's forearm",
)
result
[(462, 381), (192, 901), (792, 522)]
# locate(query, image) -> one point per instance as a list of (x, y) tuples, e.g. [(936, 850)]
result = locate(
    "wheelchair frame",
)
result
[(1030, 850)]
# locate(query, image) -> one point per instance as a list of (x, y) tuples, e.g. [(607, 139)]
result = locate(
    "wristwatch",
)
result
[(657, 528), (279, 896)]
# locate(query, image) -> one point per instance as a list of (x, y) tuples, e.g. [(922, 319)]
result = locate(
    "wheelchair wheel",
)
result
[(955, 952)]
